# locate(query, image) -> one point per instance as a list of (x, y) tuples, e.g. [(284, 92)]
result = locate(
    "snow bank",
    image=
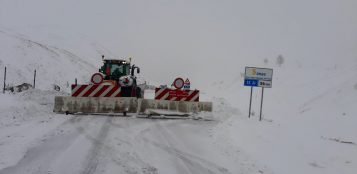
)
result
[(25, 118), (308, 121)]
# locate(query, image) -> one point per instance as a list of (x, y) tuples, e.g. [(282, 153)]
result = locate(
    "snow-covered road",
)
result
[(106, 144), (35, 140)]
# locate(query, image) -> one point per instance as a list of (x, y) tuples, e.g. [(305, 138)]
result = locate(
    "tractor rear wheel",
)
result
[(138, 93)]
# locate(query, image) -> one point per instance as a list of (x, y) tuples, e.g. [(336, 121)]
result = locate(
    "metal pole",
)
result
[(250, 103), (4, 81), (75, 81), (261, 105), (34, 80)]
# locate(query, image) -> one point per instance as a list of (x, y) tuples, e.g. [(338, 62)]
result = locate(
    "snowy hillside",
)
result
[(55, 62)]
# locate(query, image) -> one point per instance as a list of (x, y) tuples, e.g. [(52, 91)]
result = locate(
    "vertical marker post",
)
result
[(250, 103), (75, 81), (34, 79), (261, 105), (4, 81)]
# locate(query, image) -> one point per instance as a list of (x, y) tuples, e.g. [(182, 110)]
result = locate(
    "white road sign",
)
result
[(187, 84), (258, 73), (259, 77)]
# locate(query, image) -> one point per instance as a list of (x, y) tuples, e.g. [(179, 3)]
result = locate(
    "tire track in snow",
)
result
[(193, 164), (126, 157), (39, 159), (97, 147)]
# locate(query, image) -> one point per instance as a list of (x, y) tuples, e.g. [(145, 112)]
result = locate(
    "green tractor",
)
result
[(120, 72)]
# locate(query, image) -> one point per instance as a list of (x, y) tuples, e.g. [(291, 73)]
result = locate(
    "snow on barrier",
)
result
[(95, 104), (96, 91), (147, 106), (64, 104), (177, 94)]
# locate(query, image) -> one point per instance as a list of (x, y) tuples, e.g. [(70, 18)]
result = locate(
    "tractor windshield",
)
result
[(114, 69), (119, 70)]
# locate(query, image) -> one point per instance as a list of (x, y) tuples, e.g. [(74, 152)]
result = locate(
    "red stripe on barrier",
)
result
[(178, 98), (156, 92), (79, 90), (168, 98), (101, 91), (90, 91), (111, 91), (162, 94), (191, 96)]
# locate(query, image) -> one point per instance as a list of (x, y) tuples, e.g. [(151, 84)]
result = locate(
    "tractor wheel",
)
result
[(138, 93)]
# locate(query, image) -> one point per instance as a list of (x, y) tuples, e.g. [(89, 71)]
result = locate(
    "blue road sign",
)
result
[(251, 82)]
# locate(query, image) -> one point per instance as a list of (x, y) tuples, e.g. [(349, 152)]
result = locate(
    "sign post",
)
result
[(34, 80), (261, 105), (250, 103), (258, 77), (4, 81)]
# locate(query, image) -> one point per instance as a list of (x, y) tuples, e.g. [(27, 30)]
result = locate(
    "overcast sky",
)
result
[(200, 39)]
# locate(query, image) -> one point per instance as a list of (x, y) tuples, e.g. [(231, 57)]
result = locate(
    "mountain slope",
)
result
[(55, 65)]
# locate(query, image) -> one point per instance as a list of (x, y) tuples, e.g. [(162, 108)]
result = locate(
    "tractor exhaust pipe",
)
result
[(133, 70)]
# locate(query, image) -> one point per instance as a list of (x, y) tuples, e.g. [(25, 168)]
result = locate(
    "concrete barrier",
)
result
[(65, 104), (173, 106), (69, 104)]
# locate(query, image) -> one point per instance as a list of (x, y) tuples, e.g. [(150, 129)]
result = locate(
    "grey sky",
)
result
[(201, 39)]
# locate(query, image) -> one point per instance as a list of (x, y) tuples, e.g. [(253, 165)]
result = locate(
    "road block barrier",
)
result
[(96, 91), (177, 95)]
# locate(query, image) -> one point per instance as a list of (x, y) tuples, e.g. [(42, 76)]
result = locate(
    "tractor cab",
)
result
[(114, 69), (123, 74)]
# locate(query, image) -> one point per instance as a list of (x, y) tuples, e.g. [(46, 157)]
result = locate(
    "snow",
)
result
[(31, 135), (306, 119), (309, 115), (36, 140)]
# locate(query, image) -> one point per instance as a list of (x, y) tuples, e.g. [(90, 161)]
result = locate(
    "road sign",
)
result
[(258, 77), (250, 82), (187, 81), (264, 83), (258, 73), (97, 78), (187, 84), (178, 83)]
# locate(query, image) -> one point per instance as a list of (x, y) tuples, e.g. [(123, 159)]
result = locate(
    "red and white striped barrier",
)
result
[(176, 94), (96, 91)]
